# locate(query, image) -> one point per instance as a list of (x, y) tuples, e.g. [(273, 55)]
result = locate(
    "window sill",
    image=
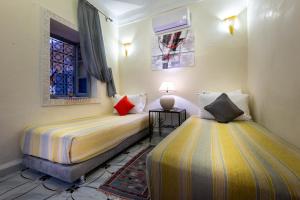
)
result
[(70, 101), (69, 98)]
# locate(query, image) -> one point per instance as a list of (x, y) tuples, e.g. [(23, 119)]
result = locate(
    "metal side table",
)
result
[(157, 118)]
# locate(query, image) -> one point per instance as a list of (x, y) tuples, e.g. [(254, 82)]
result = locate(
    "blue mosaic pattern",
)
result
[(69, 72), (69, 49), (62, 73), (57, 45), (68, 60)]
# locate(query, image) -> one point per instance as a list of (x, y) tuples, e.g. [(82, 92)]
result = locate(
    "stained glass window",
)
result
[(62, 69)]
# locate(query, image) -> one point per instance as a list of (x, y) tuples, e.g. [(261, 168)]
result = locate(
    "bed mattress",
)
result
[(78, 140), (203, 159)]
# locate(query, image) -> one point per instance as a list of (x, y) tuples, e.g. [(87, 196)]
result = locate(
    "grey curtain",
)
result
[(92, 45)]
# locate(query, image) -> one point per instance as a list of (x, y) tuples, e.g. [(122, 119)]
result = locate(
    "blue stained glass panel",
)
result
[(59, 84), (68, 60), (57, 67), (69, 69), (62, 72), (58, 57), (69, 49), (57, 45)]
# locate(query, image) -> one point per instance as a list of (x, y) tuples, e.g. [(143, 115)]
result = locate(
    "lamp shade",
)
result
[(167, 87)]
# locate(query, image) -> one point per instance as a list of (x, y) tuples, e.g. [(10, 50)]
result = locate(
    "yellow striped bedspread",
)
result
[(78, 140), (203, 159)]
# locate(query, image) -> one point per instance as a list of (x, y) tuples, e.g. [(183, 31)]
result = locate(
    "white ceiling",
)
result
[(120, 7), (126, 11)]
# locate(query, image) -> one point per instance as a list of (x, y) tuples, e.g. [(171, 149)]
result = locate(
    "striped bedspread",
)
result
[(204, 159), (78, 140)]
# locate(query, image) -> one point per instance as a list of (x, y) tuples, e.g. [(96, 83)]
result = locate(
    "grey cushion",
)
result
[(223, 109)]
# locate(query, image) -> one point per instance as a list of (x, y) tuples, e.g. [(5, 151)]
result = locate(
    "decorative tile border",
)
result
[(44, 63)]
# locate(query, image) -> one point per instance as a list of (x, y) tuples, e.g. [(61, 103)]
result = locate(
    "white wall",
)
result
[(19, 78), (273, 71), (221, 64), (221, 59)]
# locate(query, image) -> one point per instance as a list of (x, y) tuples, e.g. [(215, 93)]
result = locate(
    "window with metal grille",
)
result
[(68, 76)]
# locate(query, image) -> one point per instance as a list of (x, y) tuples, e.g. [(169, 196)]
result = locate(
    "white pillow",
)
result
[(240, 100), (139, 101), (239, 91)]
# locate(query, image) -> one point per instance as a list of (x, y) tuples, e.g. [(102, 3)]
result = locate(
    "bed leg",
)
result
[(82, 179)]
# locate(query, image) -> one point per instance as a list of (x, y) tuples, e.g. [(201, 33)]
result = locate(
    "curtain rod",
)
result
[(107, 18)]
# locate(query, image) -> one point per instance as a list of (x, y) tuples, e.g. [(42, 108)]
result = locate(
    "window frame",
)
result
[(77, 77), (44, 65), (76, 61), (62, 39)]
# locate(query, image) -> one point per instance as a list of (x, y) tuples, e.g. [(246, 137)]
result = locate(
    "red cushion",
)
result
[(124, 106)]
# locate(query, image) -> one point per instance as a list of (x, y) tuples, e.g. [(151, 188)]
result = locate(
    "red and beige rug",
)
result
[(130, 182)]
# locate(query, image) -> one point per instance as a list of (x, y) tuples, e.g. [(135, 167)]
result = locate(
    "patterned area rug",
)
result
[(129, 182)]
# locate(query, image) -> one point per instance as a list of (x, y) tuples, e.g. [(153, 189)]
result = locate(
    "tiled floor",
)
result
[(32, 185)]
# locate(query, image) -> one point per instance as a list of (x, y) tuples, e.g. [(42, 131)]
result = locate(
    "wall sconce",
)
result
[(126, 47), (231, 22)]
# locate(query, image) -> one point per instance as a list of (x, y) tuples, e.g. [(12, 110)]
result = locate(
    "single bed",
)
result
[(69, 149), (203, 159)]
